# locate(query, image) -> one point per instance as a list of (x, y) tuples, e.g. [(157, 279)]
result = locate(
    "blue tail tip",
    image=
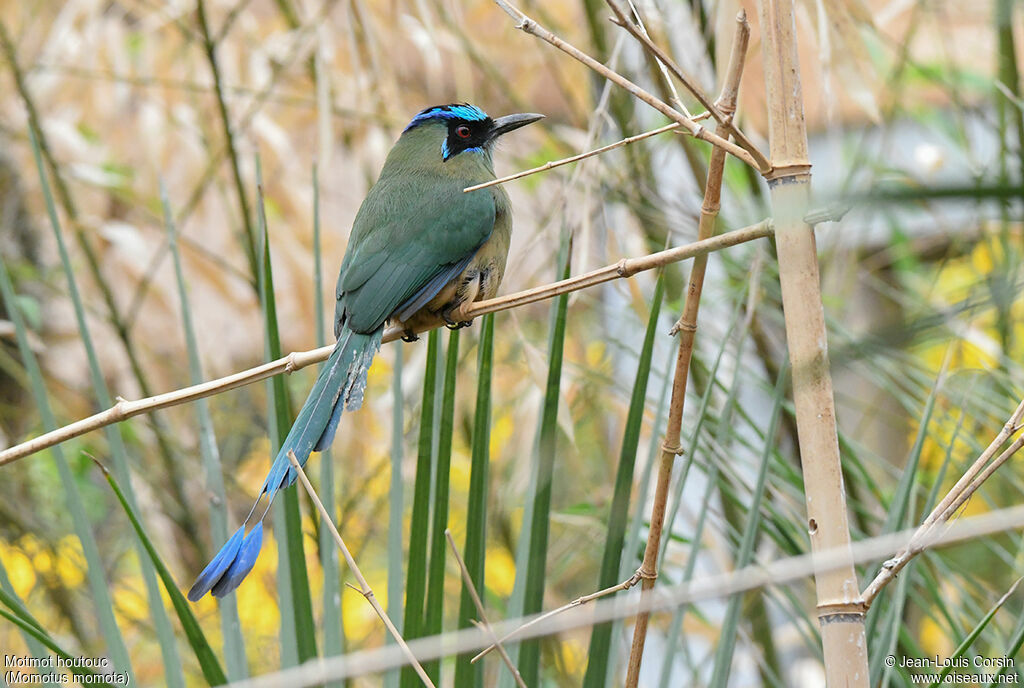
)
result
[(230, 566), (242, 564)]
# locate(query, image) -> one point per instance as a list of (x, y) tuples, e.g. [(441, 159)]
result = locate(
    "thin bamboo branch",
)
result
[(968, 484), (528, 25), (579, 601), (582, 156), (125, 409), (721, 114), (666, 78), (687, 329), (364, 588), (840, 611), (483, 623), (777, 573)]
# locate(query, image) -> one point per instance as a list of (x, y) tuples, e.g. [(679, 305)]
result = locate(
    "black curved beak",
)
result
[(503, 125)]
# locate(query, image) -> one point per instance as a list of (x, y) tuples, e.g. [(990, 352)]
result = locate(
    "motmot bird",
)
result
[(419, 249)]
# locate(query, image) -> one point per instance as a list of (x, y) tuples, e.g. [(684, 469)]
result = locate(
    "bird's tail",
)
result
[(339, 386)]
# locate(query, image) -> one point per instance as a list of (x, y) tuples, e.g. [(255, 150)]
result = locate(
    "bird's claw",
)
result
[(451, 324), (410, 336)]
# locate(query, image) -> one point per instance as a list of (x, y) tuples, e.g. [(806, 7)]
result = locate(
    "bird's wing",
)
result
[(412, 235)]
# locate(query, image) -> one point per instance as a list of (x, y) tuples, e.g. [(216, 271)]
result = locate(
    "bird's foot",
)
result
[(410, 336), (450, 322)]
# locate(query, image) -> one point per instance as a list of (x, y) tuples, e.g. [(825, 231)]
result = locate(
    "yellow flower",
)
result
[(500, 571), (70, 562), (19, 569)]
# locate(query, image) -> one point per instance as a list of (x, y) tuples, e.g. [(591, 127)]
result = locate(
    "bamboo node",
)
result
[(726, 108), (622, 268), (647, 574), (632, 580), (682, 326), (710, 207), (845, 617), (845, 607), (793, 173), (672, 449)]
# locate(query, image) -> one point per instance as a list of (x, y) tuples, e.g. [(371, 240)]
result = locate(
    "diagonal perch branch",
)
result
[(627, 267)]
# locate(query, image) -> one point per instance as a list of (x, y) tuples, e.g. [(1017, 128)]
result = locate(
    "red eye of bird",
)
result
[(462, 131)]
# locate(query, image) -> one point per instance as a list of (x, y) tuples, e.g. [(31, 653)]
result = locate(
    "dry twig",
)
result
[(531, 27), (483, 624), (718, 110), (582, 156), (578, 602), (968, 484), (364, 588), (627, 267)]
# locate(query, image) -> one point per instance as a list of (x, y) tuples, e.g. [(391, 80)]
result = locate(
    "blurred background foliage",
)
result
[(915, 117)]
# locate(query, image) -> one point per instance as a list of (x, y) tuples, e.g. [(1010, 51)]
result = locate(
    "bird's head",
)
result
[(460, 128)]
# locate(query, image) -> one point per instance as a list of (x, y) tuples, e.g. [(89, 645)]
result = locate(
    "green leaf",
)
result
[(417, 573), (468, 675), (11, 599), (433, 615), (234, 644), (745, 553), (334, 630), (94, 572), (897, 518), (193, 632), (396, 510), (966, 643), (703, 415), (32, 630), (533, 591), (165, 635), (298, 603), (618, 517)]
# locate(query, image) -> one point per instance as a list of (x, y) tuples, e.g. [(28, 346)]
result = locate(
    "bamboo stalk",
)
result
[(627, 267), (687, 329), (840, 610)]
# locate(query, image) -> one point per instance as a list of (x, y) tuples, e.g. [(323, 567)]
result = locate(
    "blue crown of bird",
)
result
[(419, 249)]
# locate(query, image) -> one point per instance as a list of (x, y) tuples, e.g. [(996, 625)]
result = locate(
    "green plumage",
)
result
[(415, 222), (420, 247)]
